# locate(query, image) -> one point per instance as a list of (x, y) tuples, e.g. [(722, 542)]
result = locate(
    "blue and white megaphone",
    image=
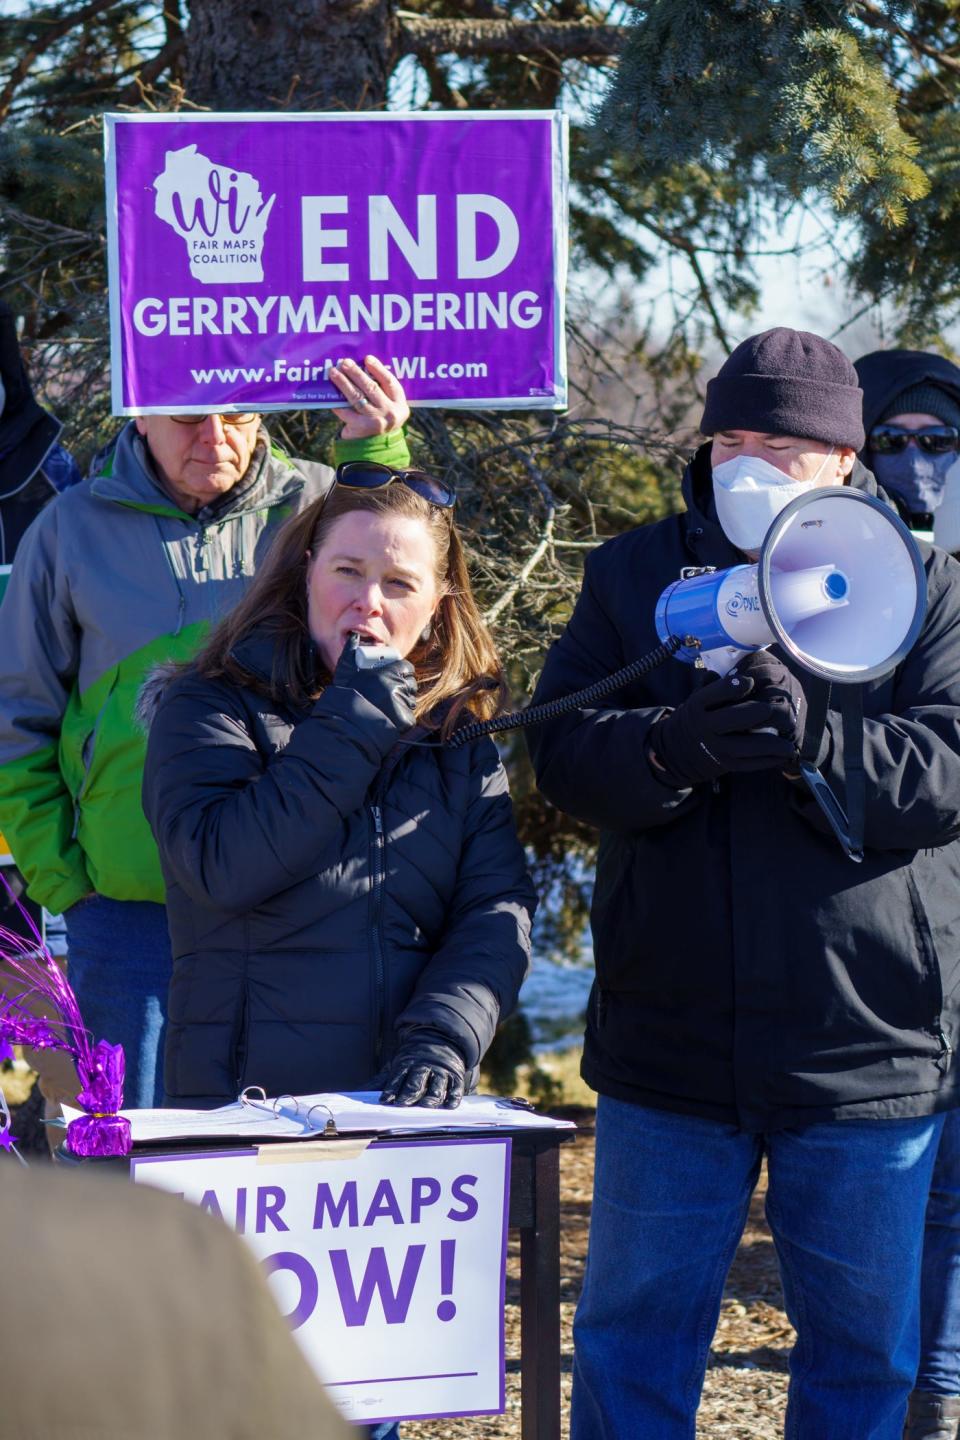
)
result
[(839, 585)]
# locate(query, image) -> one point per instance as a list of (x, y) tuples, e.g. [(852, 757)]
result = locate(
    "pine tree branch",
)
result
[(875, 17), (565, 39), (40, 46)]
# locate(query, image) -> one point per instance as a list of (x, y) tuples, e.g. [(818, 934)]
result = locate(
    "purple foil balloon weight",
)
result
[(101, 1132), (39, 1009)]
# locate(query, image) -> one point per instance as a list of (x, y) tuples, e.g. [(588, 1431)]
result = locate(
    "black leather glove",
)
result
[(719, 729), (392, 687), (427, 1070)]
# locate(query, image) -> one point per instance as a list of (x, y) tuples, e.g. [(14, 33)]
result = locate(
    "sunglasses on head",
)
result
[(933, 439), (366, 475)]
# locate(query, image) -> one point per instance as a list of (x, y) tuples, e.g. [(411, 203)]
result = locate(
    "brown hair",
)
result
[(456, 667)]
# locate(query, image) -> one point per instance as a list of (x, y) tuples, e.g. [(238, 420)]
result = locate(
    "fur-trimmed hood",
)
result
[(152, 690)]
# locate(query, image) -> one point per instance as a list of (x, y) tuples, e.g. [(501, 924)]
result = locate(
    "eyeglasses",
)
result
[(932, 439), (225, 420), (366, 475)]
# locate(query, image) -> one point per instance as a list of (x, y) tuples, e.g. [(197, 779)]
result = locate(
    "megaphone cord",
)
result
[(578, 700)]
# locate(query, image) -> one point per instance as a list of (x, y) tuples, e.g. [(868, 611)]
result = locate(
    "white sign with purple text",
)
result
[(389, 1263)]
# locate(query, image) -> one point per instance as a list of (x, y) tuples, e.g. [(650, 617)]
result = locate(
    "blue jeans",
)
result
[(119, 964), (939, 1372), (845, 1203)]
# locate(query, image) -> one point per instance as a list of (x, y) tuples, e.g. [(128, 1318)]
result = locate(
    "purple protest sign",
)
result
[(249, 253)]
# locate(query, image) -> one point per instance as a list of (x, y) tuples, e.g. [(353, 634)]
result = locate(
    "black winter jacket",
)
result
[(319, 900), (747, 971)]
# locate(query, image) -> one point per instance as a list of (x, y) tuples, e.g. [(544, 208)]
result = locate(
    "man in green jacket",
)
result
[(115, 576)]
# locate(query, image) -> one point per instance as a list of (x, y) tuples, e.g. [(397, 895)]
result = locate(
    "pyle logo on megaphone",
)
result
[(839, 585), (739, 602)]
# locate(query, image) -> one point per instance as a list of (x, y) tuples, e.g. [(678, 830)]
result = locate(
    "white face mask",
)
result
[(749, 495)]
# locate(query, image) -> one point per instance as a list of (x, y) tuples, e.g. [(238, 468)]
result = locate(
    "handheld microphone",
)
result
[(371, 656)]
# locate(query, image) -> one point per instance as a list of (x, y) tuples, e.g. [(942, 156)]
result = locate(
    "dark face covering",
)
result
[(916, 479)]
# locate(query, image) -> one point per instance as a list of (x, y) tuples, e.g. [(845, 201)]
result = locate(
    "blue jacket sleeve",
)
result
[(473, 978), (593, 763)]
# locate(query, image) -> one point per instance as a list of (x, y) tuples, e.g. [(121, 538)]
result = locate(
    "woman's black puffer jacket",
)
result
[(324, 897)]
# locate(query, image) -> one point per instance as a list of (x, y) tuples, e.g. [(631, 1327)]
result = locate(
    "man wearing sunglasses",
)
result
[(911, 405), (115, 576), (911, 415)]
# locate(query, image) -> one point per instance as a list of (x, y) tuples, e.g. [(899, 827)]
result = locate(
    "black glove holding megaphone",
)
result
[(750, 719)]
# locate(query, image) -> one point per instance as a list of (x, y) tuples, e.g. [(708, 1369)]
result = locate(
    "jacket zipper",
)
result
[(200, 558), (241, 1044), (378, 872), (946, 1049), (88, 761), (376, 932)]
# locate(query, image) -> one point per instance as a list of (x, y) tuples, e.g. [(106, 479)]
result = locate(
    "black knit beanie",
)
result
[(787, 382), (924, 399)]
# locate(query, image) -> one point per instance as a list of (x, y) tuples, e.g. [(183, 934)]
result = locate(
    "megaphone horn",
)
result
[(839, 585)]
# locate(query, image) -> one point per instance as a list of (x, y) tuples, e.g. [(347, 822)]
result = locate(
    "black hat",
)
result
[(889, 377), (787, 382), (924, 399)]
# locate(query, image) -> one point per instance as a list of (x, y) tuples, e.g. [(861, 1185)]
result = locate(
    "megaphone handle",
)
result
[(832, 810), (855, 780)]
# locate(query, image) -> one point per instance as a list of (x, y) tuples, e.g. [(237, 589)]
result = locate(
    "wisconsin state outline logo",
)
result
[(219, 213)]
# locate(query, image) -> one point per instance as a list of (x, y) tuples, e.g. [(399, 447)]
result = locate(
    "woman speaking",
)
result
[(347, 899)]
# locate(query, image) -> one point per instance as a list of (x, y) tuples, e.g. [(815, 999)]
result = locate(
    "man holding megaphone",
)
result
[(756, 993)]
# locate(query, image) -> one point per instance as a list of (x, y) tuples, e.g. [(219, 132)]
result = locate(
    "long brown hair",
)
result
[(456, 667)]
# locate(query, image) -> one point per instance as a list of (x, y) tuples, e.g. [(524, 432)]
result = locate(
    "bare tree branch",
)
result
[(546, 539), (147, 74), (566, 39), (469, 10), (440, 88), (690, 250), (875, 17)]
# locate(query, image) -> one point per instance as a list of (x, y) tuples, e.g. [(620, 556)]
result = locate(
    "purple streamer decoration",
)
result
[(41, 983)]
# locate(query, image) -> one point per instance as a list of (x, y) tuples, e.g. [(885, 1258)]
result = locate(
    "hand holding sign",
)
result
[(376, 403)]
